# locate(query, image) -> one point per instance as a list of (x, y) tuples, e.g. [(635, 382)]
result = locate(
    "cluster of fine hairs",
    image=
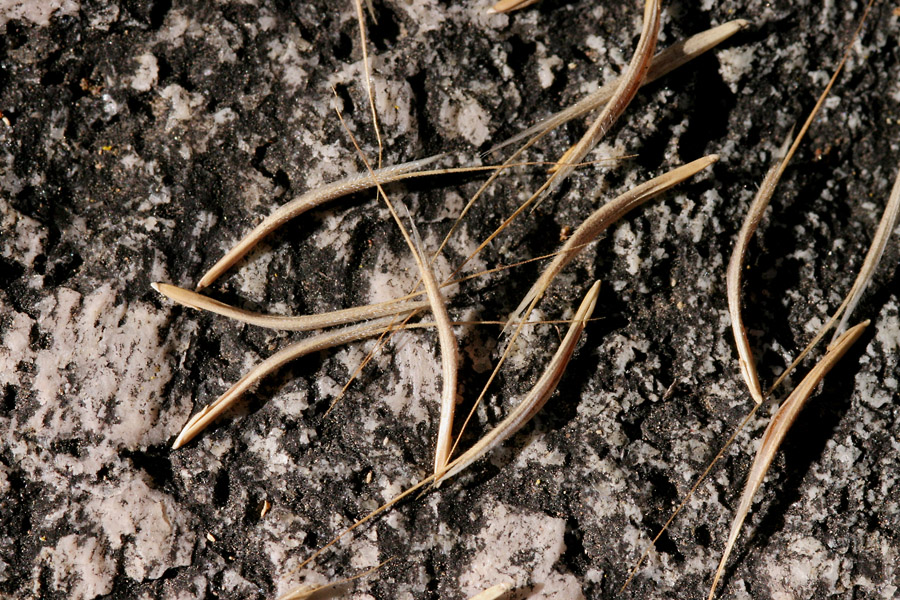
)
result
[(381, 320)]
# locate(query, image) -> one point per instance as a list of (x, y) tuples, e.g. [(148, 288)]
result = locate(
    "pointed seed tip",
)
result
[(155, 286)]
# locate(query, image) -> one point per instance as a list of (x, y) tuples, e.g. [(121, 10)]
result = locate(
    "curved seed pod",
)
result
[(446, 337), (886, 226), (778, 427), (601, 219), (308, 201), (889, 219), (211, 412), (536, 398), (663, 63), (287, 323), (748, 229), (630, 83), (733, 275)]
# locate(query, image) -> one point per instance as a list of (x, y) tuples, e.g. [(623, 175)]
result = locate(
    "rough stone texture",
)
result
[(141, 139)]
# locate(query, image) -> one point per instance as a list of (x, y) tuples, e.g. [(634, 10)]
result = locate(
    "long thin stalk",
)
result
[(306, 592), (370, 93)]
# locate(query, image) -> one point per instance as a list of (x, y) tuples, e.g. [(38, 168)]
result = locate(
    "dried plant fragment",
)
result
[(210, 413), (360, 17), (506, 164), (751, 223), (663, 63), (287, 323), (532, 403), (876, 250), (886, 226), (446, 338), (630, 83), (734, 273), (536, 398), (601, 219), (554, 179), (592, 227), (505, 6), (778, 427), (303, 592), (493, 592), (309, 201)]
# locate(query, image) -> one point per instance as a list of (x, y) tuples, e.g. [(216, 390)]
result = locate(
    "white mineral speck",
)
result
[(38, 13), (522, 547), (146, 74), (463, 117), (182, 103), (80, 568), (546, 66), (734, 64)]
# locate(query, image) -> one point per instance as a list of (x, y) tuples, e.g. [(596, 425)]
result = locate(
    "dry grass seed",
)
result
[(446, 337), (486, 446), (526, 409), (624, 94), (751, 222), (676, 55), (778, 427), (538, 395), (599, 221), (211, 412), (306, 202), (284, 322), (886, 225)]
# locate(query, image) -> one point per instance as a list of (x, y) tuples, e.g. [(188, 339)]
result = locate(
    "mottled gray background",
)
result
[(139, 140)]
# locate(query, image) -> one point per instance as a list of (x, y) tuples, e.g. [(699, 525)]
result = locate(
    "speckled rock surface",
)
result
[(140, 140)]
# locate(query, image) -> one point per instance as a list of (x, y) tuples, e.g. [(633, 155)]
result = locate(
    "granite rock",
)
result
[(140, 140)]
